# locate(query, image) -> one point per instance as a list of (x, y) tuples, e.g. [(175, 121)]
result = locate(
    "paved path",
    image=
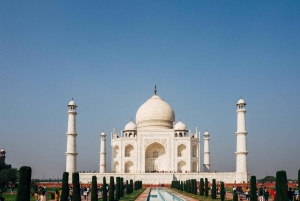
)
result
[(144, 195)]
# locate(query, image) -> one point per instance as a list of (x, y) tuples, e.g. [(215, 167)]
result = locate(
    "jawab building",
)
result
[(157, 150)]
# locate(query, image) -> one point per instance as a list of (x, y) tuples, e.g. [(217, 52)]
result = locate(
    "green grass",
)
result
[(198, 197), (9, 197), (130, 197)]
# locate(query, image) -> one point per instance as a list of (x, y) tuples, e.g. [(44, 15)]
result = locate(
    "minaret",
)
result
[(2, 156), (206, 159), (102, 153), (71, 153), (241, 143)]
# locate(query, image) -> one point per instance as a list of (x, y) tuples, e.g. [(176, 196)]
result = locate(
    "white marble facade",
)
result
[(154, 143)]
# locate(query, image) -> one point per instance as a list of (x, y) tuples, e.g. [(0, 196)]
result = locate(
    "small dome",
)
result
[(241, 101), (180, 126), (72, 103), (103, 134), (155, 113), (130, 126), (2, 150), (206, 133)]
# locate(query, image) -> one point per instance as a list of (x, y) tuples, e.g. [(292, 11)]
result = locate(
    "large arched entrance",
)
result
[(156, 159)]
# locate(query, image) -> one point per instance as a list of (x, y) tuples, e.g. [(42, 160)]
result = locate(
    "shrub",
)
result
[(121, 187), (127, 187), (201, 187), (94, 196), (206, 187), (235, 196), (131, 186), (65, 187), (23, 193), (253, 196), (222, 192), (281, 186), (76, 187), (111, 188), (213, 190), (118, 188), (104, 191)]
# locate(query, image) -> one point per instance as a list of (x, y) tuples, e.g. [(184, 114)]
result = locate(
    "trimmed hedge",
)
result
[(281, 186), (111, 188), (213, 190), (201, 187), (222, 192), (104, 191), (206, 187), (23, 193), (253, 196), (94, 196), (76, 187), (65, 187)]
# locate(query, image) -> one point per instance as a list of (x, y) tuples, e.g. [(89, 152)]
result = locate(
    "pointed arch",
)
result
[(181, 150)]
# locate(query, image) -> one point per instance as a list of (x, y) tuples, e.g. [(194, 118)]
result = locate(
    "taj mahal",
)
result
[(157, 150)]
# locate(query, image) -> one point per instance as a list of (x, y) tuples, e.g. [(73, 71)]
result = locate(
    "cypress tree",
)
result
[(23, 193), (298, 180), (253, 196), (111, 188), (235, 196), (65, 187), (206, 187), (118, 188), (195, 181), (222, 192), (281, 186), (94, 196), (104, 191), (131, 186), (127, 187), (76, 187), (213, 190), (121, 187), (201, 187)]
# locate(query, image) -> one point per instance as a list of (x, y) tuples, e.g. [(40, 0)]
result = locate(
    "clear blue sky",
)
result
[(203, 55)]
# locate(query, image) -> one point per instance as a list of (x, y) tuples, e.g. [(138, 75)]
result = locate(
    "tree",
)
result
[(206, 187), (235, 196), (104, 195), (213, 190), (118, 188), (23, 193), (111, 188), (222, 192), (76, 187), (121, 187), (7, 175), (127, 188), (65, 187), (94, 196), (131, 186), (298, 179), (253, 196), (281, 186), (201, 187)]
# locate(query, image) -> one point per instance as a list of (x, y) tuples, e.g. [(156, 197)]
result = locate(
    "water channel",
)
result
[(162, 194)]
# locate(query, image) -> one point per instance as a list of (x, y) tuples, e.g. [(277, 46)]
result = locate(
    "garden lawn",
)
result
[(9, 197), (134, 195)]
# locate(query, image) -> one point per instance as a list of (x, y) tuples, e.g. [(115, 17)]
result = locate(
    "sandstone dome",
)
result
[(180, 126), (155, 113), (130, 126)]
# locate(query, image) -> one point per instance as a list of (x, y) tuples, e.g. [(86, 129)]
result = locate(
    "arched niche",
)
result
[(195, 166), (155, 158), (181, 166), (129, 167), (129, 149), (116, 151), (181, 150), (116, 167), (195, 151)]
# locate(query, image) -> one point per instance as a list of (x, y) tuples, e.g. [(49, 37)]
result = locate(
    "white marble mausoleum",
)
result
[(156, 149)]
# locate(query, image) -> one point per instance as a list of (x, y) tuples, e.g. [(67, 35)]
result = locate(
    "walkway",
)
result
[(144, 195)]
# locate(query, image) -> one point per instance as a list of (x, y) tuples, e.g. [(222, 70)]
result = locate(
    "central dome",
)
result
[(155, 113)]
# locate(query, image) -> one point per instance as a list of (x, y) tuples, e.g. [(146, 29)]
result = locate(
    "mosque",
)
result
[(157, 150)]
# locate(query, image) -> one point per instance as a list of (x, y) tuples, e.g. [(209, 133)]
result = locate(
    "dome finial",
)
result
[(241, 97), (155, 89), (72, 98)]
